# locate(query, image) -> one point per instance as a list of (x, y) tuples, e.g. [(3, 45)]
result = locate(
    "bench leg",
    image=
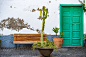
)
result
[(15, 46)]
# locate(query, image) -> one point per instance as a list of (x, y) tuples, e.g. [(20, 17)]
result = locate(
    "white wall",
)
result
[(23, 8)]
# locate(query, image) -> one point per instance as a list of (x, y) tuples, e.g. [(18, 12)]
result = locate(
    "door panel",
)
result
[(66, 18), (76, 11), (66, 26), (66, 42), (76, 34), (76, 41), (67, 34), (76, 19), (71, 25), (76, 27)]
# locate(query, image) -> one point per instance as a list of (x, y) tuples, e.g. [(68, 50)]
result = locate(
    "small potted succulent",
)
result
[(58, 40), (45, 48)]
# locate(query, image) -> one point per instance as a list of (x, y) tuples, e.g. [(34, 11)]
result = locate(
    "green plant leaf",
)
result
[(55, 29), (47, 44), (61, 34)]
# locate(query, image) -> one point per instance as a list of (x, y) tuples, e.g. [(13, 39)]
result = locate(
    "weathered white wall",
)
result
[(23, 10)]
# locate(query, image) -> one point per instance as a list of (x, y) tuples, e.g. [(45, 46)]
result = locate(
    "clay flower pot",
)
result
[(58, 41)]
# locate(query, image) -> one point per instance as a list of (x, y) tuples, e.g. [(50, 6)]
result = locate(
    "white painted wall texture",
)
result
[(23, 9)]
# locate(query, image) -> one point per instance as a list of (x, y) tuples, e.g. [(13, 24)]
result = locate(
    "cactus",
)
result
[(43, 15)]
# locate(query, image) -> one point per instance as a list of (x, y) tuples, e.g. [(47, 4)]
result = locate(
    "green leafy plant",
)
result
[(61, 34), (47, 44), (83, 3), (56, 30), (0, 40), (84, 36)]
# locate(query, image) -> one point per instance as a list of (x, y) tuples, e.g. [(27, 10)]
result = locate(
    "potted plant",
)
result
[(0, 43), (84, 40), (45, 48), (58, 40)]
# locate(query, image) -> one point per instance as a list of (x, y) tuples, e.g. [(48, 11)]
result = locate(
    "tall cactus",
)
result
[(43, 15)]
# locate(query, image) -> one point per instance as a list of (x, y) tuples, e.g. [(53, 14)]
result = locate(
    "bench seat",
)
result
[(27, 38), (24, 42)]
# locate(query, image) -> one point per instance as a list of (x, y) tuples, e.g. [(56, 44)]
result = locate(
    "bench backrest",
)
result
[(29, 37)]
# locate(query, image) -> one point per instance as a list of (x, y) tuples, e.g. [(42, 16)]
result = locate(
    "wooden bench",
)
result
[(27, 38)]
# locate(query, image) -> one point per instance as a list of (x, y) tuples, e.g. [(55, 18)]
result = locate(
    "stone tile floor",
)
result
[(28, 52)]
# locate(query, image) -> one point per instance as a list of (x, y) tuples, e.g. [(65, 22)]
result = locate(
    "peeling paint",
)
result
[(17, 8), (48, 15), (10, 6), (38, 9), (15, 24), (39, 18), (49, 1), (33, 10)]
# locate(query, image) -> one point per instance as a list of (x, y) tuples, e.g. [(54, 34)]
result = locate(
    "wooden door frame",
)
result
[(80, 5)]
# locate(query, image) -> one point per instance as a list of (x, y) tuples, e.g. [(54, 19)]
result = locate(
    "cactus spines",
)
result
[(43, 15)]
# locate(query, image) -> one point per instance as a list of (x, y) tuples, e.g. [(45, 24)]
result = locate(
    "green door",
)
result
[(71, 23)]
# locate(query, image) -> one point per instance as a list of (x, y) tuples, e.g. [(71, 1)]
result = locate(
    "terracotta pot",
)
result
[(45, 52), (58, 41)]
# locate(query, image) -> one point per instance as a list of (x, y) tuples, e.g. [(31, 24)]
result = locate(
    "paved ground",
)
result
[(27, 52)]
